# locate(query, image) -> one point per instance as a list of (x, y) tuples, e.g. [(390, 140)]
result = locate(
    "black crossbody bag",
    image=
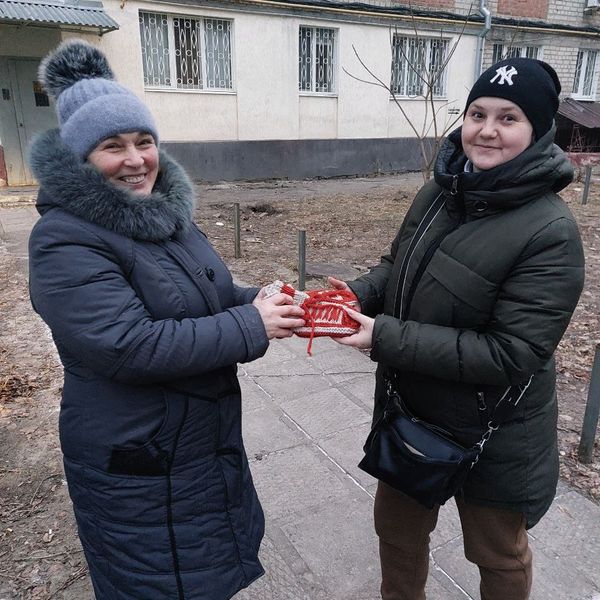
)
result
[(420, 459)]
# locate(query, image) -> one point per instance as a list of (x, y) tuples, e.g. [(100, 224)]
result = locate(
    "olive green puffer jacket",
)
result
[(479, 301)]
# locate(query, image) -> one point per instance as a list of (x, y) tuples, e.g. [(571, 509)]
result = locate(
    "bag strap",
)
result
[(417, 236), (501, 412)]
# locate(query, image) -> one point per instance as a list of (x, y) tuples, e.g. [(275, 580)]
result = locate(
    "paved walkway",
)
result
[(305, 420)]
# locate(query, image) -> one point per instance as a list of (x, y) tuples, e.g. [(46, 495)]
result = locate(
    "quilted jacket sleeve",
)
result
[(532, 311), (96, 316), (244, 295)]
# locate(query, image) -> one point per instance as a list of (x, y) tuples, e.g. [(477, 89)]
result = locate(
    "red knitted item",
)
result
[(323, 311)]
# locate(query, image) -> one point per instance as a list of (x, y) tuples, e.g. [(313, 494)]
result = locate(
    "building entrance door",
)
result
[(34, 112)]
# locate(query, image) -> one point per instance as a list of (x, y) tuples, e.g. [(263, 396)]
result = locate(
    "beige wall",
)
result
[(265, 103)]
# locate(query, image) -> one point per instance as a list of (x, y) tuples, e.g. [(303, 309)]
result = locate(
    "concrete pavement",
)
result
[(305, 420)]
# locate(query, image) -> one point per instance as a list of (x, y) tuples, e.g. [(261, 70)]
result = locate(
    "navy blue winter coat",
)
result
[(149, 327)]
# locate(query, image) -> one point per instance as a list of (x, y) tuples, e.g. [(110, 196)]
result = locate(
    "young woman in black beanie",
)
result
[(149, 327), (474, 297)]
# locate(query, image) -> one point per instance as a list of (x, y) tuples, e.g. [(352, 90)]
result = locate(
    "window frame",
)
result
[(172, 58), (443, 80), (524, 51), (580, 75), (334, 71)]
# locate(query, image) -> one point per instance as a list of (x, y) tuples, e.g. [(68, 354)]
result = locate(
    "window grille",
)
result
[(419, 63), (585, 80), (196, 50), (500, 52), (317, 60), (155, 49)]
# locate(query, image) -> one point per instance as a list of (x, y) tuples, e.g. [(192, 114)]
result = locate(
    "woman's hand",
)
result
[(279, 315), (261, 293), (338, 284), (363, 338)]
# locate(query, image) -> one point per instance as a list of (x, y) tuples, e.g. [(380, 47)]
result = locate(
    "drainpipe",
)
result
[(484, 11)]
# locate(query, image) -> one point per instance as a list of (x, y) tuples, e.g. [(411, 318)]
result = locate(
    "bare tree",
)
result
[(427, 79)]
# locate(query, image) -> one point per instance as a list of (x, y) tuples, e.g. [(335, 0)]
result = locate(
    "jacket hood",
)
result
[(541, 168), (79, 188)]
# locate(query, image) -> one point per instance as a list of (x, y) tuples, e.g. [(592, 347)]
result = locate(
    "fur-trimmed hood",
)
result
[(82, 190)]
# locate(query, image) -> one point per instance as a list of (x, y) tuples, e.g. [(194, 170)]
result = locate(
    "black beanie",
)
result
[(531, 84)]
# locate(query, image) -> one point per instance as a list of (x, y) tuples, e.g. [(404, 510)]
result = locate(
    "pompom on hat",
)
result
[(90, 105), (531, 84)]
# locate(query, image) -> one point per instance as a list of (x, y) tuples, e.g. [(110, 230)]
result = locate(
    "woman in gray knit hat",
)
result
[(467, 310), (150, 328)]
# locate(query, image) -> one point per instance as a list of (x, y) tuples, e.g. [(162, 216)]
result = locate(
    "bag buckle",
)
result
[(484, 438)]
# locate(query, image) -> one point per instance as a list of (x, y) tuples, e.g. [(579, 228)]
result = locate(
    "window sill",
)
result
[(413, 98), (583, 98), (170, 90), (318, 94)]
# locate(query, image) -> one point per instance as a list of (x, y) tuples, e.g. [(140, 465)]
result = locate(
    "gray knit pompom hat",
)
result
[(91, 106)]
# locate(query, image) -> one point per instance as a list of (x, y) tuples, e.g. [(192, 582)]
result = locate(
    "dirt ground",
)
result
[(348, 222)]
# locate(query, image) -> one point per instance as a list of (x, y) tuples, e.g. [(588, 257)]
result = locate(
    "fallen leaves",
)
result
[(13, 387)]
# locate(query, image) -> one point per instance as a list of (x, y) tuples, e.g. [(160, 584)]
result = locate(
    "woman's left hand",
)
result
[(363, 338)]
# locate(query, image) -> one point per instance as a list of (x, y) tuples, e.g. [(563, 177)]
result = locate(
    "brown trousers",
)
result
[(495, 540)]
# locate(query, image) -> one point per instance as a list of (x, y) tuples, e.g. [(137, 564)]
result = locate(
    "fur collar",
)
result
[(80, 189)]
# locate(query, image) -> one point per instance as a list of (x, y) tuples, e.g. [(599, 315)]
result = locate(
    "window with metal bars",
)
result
[(586, 75), (419, 64), (502, 51), (317, 60), (185, 53)]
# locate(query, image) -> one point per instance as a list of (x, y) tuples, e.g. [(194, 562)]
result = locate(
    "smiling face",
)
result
[(128, 160), (494, 131)]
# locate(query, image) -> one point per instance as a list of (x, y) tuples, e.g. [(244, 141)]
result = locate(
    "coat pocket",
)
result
[(146, 461), (150, 458), (472, 295), (230, 460)]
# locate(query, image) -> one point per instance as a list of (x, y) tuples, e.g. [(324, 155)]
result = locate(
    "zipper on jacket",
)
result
[(454, 186), (481, 405), (420, 232), (171, 529), (435, 244)]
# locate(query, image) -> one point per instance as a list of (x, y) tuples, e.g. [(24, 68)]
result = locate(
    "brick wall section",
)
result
[(463, 6), (567, 12), (533, 9), (571, 12), (563, 59)]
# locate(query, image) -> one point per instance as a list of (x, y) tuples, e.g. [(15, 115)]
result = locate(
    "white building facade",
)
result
[(262, 89)]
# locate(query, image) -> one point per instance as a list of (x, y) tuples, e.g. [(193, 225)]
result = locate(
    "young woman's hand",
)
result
[(363, 338), (338, 284), (279, 315)]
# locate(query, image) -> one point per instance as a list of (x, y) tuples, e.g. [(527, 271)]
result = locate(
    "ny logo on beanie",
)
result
[(499, 82), (505, 74)]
